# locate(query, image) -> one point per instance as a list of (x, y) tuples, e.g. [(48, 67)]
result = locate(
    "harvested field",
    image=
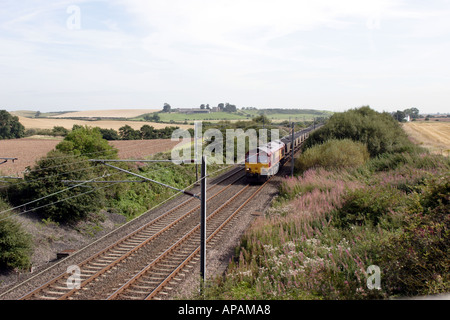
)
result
[(48, 123), (434, 135), (29, 150), (118, 113)]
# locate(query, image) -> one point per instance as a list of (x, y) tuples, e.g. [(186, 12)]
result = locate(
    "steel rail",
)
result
[(174, 246), (197, 250), (129, 236)]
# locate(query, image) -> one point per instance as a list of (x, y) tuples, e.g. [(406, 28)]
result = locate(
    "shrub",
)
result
[(333, 154), (87, 140), (416, 261), (378, 131), (47, 177), (369, 205), (15, 244)]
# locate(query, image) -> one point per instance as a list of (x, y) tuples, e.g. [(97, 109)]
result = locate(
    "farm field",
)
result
[(296, 115), (113, 113), (433, 135), (28, 150), (47, 123)]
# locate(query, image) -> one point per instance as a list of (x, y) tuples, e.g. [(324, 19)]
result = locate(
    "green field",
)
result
[(273, 114)]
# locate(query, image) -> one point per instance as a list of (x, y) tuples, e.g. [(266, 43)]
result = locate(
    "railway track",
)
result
[(149, 262), (126, 248), (161, 273)]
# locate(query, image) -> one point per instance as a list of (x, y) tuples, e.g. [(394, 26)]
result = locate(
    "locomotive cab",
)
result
[(264, 162)]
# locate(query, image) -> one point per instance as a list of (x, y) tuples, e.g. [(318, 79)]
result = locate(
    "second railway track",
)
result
[(118, 261)]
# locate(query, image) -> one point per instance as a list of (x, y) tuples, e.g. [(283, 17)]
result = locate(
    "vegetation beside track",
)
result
[(328, 226)]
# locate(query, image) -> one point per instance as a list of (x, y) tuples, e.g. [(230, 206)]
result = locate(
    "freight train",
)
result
[(266, 160)]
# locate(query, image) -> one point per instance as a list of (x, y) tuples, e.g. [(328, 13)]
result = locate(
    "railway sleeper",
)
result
[(148, 282), (169, 264), (129, 297), (88, 272), (137, 239), (138, 291), (52, 292), (41, 297), (92, 267), (101, 265), (126, 246)]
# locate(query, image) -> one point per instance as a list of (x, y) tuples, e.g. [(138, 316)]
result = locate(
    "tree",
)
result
[(167, 107), (87, 140), (379, 131), (47, 178), (60, 131), (156, 117), (229, 107), (10, 127), (128, 133), (399, 115), (262, 118), (109, 134), (202, 106), (412, 112), (148, 132)]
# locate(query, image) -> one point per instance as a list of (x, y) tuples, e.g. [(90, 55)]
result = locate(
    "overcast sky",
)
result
[(326, 54)]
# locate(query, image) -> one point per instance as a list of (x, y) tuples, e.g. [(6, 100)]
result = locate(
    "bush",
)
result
[(15, 244), (378, 131), (333, 154), (47, 177), (416, 261), (87, 140), (370, 205)]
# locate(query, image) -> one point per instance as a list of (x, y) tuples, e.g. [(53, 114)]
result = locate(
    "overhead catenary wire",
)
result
[(101, 238), (52, 203), (48, 196), (62, 165), (82, 183), (126, 148)]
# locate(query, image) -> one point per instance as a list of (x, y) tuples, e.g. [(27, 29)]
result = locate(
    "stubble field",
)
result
[(433, 135)]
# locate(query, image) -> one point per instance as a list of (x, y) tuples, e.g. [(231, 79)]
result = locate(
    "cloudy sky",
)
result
[(322, 54)]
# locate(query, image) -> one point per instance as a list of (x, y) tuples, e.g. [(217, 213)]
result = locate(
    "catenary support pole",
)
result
[(203, 224), (292, 150)]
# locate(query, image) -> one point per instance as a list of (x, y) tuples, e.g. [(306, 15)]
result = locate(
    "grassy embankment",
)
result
[(330, 224)]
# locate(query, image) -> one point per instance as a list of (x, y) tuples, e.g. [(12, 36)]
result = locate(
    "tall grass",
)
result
[(333, 154)]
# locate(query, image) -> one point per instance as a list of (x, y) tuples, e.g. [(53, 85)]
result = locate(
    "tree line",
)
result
[(146, 132), (11, 128)]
